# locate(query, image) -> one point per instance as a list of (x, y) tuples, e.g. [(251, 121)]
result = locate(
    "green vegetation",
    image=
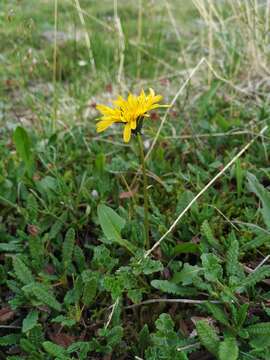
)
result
[(76, 279)]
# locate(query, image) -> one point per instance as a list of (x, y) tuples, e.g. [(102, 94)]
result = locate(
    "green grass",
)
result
[(75, 282)]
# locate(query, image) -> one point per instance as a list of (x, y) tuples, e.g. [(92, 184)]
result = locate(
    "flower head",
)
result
[(130, 112)]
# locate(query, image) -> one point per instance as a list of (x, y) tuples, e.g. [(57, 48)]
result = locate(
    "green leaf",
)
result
[(228, 349), (144, 339), (55, 350), (112, 224), (57, 226), (10, 339), (79, 258), (187, 274), (42, 293), (218, 313), (212, 268), (183, 201), (23, 147), (255, 277), (241, 315), (262, 194), (68, 246), (171, 288), (30, 321), (64, 321), (232, 264), (259, 329), (208, 336), (207, 232), (89, 292), (186, 248), (22, 272), (147, 266), (27, 346)]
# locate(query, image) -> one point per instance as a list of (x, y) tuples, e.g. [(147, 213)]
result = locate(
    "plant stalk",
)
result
[(145, 194)]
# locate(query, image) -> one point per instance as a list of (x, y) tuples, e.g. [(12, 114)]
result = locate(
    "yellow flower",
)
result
[(128, 112)]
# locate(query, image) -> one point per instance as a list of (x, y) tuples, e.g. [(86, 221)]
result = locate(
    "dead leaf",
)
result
[(6, 314), (62, 339), (128, 194)]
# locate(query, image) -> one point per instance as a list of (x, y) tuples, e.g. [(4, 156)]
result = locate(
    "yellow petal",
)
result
[(133, 124), (151, 92), (127, 133), (104, 124)]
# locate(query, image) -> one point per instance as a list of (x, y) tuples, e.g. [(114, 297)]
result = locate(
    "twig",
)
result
[(221, 134), (87, 38), (111, 314), (188, 347), (262, 262), (224, 216), (230, 163), (55, 102), (181, 301), (121, 36)]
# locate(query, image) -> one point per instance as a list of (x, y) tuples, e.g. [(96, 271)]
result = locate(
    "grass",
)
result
[(75, 280)]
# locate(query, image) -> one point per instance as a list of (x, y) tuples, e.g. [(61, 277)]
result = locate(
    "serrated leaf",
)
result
[(112, 224), (22, 272), (68, 246), (212, 268), (43, 294), (232, 265), (242, 314), (218, 313), (187, 274), (57, 226), (12, 246), (228, 349), (259, 329), (30, 321), (147, 266), (144, 338), (207, 232), (79, 258), (55, 350), (23, 147), (64, 321), (10, 339), (255, 277), (171, 288), (208, 336), (89, 292), (27, 346), (260, 342)]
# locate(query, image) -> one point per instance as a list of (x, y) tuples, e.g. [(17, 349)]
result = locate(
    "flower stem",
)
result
[(145, 194)]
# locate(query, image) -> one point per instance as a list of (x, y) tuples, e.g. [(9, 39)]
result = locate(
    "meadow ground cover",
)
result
[(155, 246)]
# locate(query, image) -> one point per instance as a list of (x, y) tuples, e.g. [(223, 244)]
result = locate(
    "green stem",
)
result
[(145, 194)]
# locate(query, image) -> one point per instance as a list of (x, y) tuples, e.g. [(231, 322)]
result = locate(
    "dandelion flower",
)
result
[(129, 112)]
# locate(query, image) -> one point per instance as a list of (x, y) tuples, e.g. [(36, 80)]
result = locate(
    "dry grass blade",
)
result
[(87, 38)]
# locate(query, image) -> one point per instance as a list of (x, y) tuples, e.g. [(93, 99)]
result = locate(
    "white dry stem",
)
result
[(139, 37), (112, 312), (179, 301), (87, 37), (120, 74), (262, 262), (207, 186), (55, 104)]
